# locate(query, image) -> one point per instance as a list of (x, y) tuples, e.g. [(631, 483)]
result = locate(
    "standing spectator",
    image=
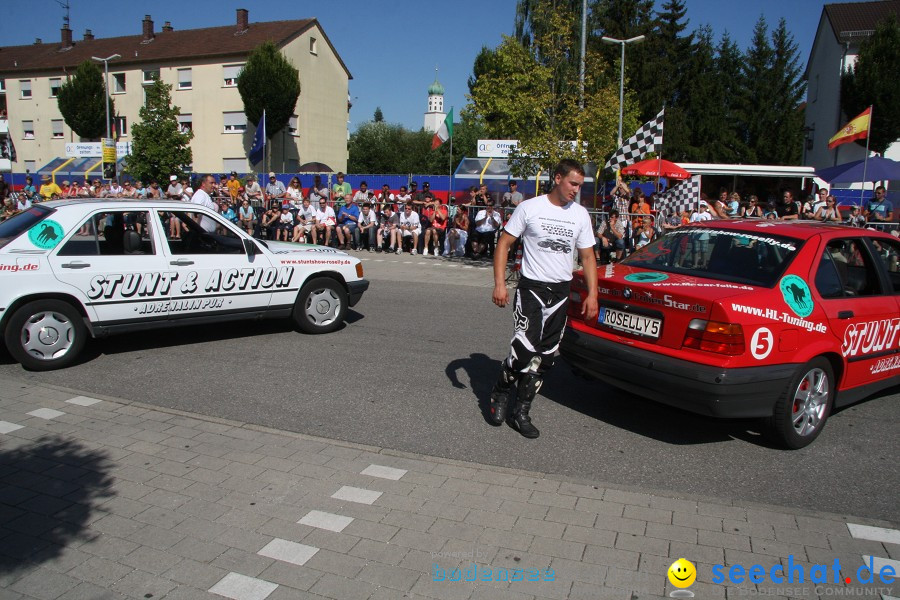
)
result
[(811, 206), (247, 217), (702, 214), (542, 297), (403, 198), (513, 197), (368, 223), (325, 222), (830, 212), (295, 193), (275, 191), (49, 188), (306, 222), (487, 223), (362, 195), (384, 198), (202, 198), (855, 218), (458, 235), (389, 229), (733, 207), (788, 209), (175, 190), (4, 189), (341, 188), (410, 226), (233, 185), (317, 191), (639, 209), (115, 190), (621, 193), (417, 197), (253, 191), (29, 189), (879, 209), (347, 224)]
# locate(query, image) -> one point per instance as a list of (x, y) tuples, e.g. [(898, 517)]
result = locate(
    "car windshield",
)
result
[(738, 256), (11, 228)]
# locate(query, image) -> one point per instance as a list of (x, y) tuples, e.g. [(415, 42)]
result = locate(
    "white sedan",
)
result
[(69, 269)]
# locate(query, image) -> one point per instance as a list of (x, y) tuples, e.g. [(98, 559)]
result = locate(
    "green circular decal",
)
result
[(646, 277), (46, 234), (796, 295)]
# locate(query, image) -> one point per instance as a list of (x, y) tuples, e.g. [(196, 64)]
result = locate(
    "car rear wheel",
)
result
[(45, 335), (321, 306), (802, 410)]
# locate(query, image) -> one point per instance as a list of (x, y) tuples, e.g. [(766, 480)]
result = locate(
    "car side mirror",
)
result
[(250, 247)]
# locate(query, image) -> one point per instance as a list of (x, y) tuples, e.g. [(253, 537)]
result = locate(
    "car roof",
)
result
[(796, 229), (116, 203)]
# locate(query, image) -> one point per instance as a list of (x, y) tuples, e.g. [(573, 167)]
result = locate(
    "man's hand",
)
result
[(501, 296), (589, 309)]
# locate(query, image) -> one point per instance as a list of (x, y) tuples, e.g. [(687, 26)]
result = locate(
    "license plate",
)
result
[(624, 321)]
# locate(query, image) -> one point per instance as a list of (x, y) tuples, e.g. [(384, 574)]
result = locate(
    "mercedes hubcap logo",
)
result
[(48, 335)]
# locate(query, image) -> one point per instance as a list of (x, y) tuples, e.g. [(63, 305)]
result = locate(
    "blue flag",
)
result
[(259, 141)]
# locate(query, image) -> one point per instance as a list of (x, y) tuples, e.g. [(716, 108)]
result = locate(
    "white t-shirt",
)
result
[(295, 194), (549, 234), (701, 216), (325, 216), (491, 222), (307, 213), (202, 198), (412, 220)]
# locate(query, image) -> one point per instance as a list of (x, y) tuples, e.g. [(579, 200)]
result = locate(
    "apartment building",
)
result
[(202, 66)]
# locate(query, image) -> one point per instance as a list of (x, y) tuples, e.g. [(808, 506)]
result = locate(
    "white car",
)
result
[(73, 268)]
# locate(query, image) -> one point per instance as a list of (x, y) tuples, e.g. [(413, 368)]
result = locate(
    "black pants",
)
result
[(540, 316)]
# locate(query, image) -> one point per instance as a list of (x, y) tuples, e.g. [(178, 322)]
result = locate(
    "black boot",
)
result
[(520, 421), (500, 395)]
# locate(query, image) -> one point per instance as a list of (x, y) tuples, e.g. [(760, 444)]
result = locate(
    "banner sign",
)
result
[(94, 149), (496, 148)]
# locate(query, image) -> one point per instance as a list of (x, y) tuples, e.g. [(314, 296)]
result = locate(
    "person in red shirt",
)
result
[(437, 216)]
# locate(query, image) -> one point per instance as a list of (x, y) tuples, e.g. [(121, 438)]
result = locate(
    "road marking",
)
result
[(46, 413), (7, 427), (876, 534), (324, 520), (241, 587), (384, 472), (289, 552), (878, 563), (407, 262), (83, 401), (354, 494)]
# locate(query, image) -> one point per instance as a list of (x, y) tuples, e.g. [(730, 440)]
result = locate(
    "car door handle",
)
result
[(181, 262), (845, 314), (76, 265)]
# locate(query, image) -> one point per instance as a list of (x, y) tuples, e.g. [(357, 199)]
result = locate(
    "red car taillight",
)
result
[(713, 336)]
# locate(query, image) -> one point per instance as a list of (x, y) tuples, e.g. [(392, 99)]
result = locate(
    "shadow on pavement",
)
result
[(482, 371), (49, 489)]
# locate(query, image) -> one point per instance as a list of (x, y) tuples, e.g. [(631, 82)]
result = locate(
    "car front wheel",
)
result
[(45, 335), (804, 407), (321, 306)]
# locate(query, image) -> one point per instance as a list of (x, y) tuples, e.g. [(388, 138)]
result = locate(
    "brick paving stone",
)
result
[(576, 570), (445, 510), (636, 581), (242, 539), (584, 591), (756, 530), (773, 548), (557, 548), (101, 571), (523, 509), (637, 543), (427, 479), (417, 540), (547, 529), (380, 552), (443, 590), (552, 499), (139, 584), (44, 583), (291, 576), (600, 507), (771, 518), (697, 521), (160, 517), (724, 540), (484, 593), (697, 553), (108, 546), (506, 492), (454, 529), (336, 563), (159, 538), (537, 484), (199, 550), (389, 576), (505, 539), (620, 524), (581, 490), (241, 587), (323, 520), (483, 518), (602, 555), (570, 517), (408, 520), (644, 513), (734, 513), (196, 574), (589, 535), (342, 588), (672, 532), (806, 538), (328, 540), (246, 563)]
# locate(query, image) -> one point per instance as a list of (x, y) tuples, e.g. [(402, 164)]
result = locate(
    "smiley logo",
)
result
[(682, 573)]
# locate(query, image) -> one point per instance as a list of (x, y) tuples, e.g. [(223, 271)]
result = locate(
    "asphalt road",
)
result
[(415, 364)]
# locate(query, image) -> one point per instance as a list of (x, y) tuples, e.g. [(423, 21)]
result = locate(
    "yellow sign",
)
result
[(109, 158)]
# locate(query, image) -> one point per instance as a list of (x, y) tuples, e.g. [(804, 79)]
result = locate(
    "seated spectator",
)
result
[(410, 227), (270, 221), (645, 235), (855, 218), (348, 223), (153, 191), (384, 198), (733, 206), (247, 217), (702, 214), (285, 225), (294, 193), (368, 223), (306, 222), (487, 222), (770, 213), (812, 205), (611, 235), (830, 213), (639, 208), (402, 198), (389, 229), (325, 222), (253, 191), (227, 212), (438, 227), (752, 210), (458, 235)]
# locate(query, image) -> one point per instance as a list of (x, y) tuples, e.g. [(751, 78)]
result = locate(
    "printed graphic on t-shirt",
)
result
[(557, 235)]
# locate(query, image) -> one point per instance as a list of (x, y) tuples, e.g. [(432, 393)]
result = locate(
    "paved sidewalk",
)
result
[(102, 498)]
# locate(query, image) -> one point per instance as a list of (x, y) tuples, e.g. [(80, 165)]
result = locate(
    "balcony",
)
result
[(4, 126)]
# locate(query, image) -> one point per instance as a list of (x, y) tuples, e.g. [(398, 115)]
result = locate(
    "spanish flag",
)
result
[(856, 129)]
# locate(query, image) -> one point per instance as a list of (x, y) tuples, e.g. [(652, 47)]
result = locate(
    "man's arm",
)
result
[(589, 306), (501, 255)]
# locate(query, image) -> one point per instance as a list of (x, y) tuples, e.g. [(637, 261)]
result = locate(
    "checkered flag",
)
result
[(646, 140), (678, 199)]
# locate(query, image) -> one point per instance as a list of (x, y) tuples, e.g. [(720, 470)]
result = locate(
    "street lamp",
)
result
[(105, 62), (634, 40)]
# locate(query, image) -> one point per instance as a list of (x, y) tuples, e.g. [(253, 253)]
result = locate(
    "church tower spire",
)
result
[(435, 114)]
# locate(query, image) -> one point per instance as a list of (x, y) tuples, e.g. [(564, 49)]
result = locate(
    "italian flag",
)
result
[(444, 133), (856, 129)]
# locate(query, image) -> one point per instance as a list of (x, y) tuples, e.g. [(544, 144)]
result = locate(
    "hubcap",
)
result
[(322, 307), (810, 400), (48, 335)]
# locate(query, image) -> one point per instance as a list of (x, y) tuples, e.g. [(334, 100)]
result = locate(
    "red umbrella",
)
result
[(654, 167)]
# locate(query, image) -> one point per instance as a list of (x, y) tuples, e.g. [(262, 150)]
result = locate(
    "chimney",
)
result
[(66, 38), (148, 28), (167, 26), (243, 20), (88, 35), (38, 41)]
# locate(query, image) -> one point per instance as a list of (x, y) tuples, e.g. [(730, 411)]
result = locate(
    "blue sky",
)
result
[(391, 48)]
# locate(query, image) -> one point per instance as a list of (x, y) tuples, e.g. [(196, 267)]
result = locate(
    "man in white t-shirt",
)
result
[(410, 225), (306, 222), (550, 227), (201, 197), (174, 191), (325, 222)]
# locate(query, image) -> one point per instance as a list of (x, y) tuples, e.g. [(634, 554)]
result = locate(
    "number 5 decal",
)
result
[(761, 343)]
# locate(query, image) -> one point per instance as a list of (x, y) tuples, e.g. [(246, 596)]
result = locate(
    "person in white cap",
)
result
[(174, 190)]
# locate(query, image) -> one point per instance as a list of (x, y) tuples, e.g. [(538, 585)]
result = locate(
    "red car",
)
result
[(748, 318)]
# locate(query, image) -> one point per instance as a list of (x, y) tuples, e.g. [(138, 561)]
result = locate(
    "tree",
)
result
[(269, 82), (783, 144), (485, 62), (82, 102), (159, 147), (874, 82), (378, 117), (730, 147), (376, 147), (755, 113)]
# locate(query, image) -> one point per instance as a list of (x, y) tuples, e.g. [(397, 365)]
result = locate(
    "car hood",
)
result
[(292, 248)]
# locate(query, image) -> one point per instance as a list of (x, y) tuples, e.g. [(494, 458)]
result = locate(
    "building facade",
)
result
[(842, 27), (202, 66)]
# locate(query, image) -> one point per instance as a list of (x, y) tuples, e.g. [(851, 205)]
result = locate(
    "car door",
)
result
[(861, 308), (112, 268), (215, 276)]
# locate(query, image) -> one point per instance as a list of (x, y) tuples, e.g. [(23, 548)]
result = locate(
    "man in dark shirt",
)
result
[(788, 209)]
